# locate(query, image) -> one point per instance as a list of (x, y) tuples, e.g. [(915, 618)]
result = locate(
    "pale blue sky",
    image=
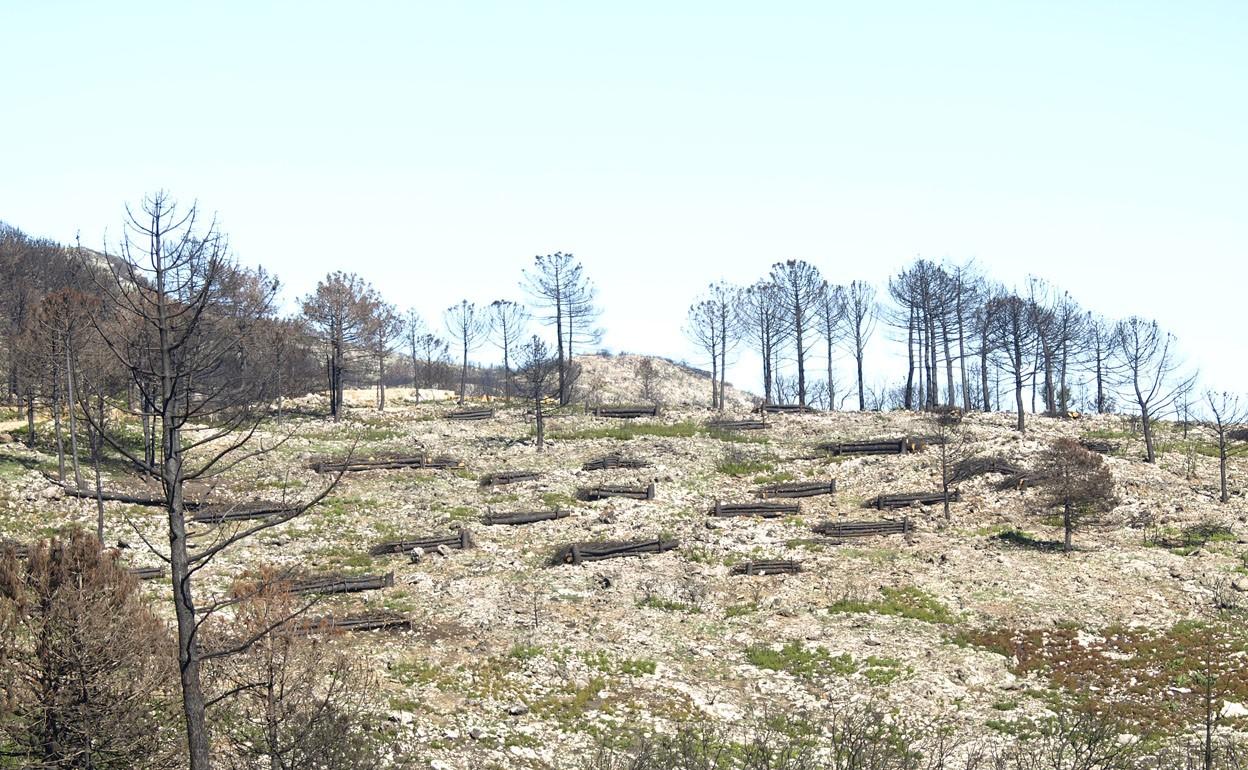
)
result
[(436, 147)]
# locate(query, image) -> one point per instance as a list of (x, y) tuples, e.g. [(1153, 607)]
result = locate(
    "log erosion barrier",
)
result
[(578, 553), (799, 489), (602, 493), (851, 529), (760, 510), (609, 462), (461, 540), (767, 567), (523, 517), (906, 499)]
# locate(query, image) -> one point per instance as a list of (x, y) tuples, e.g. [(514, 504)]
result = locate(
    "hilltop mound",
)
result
[(622, 379)]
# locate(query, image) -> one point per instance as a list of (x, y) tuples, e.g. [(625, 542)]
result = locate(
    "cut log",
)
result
[(523, 517), (799, 489), (576, 553), (896, 446), (147, 573), (736, 425), (602, 493), (255, 509), (905, 500), (461, 540), (373, 621), (761, 510), (848, 529), (772, 567), (613, 461), (626, 412), (785, 409), (341, 584), (471, 414), (508, 477), (389, 463)]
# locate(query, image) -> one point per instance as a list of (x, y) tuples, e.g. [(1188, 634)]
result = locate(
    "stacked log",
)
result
[(471, 414), (341, 584), (784, 409), (610, 462), (256, 509), (626, 412), (577, 553), (847, 529), (523, 517), (602, 493), (147, 573), (508, 477), (461, 540), (761, 510), (737, 425), (799, 489), (373, 621), (388, 463), (905, 500), (772, 567), (898, 446)]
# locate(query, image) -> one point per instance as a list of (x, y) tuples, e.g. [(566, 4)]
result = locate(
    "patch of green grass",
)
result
[(743, 466), (808, 662), (775, 478), (905, 602), (525, 651), (1021, 539), (737, 610), (557, 500)]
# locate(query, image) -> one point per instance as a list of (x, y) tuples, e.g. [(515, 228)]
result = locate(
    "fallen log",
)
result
[(980, 466), (471, 414), (256, 509), (767, 567), (373, 621), (602, 493), (799, 489), (609, 462), (508, 477), (626, 412), (341, 584), (735, 425), (390, 463), (898, 446), (905, 500), (147, 573), (761, 510), (523, 517), (784, 409), (844, 529), (577, 553), (461, 540)]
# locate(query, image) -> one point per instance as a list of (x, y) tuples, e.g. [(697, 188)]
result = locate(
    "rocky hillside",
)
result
[(515, 661)]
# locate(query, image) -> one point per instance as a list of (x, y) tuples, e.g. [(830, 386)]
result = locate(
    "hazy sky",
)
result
[(436, 147)]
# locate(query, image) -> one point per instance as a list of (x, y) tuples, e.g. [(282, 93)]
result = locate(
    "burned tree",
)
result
[(1013, 336), (860, 314), (413, 330), (759, 316), (507, 322), (799, 289), (537, 368), (1149, 372), (831, 314), (385, 328), (1227, 413), (712, 326), (1076, 481), (341, 311), (467, 326), (559, 287)]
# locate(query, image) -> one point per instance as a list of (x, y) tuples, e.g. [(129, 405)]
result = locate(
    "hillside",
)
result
[(513, 662)]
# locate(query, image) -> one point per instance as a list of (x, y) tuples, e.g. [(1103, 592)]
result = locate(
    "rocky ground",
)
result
[(515, 663)]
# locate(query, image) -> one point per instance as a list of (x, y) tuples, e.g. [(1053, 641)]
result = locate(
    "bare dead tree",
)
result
[(1149, 366), (413, 328), (434, 352), (1014, 337), (861, 312), (385, 329), (537, 368), (713, 325), (831, 313), (1228, 413), (799, 288), (507, 322), (701, 327), (467, 325), (759, 316), (1098, 349), (559, 287), (174, 287)]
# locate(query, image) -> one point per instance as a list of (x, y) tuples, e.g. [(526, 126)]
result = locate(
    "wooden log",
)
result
[(602, 493), (256, 509), (471, 414), (737, 425), (113, 496), (523, 517), (147, 573), (904, 500), (767, 567), (799, 489), (609, 462), (784, 409), (577, 553), (461, 540), (847, 529), (341, 584), (508, 477), (761, 510), (373, 621), (1098, 446), (873, 447), (390, 463), (626, 412)]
